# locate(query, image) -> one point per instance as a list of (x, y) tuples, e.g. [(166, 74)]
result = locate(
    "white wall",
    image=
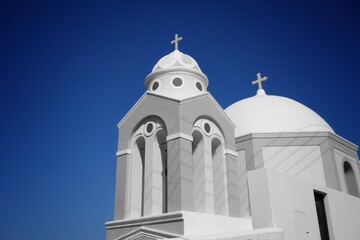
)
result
[(344, 216), (242, 180), (304, 162), (291, 206)]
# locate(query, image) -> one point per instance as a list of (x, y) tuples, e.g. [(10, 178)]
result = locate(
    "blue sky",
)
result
[(69, 71)]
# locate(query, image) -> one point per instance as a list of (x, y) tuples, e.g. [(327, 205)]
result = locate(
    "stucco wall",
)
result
[(304, 162), (279, 200), (243, 186)]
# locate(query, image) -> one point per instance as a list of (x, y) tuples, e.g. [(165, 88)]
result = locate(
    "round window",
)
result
[(177, 82), (207, 127), (199, 86), (149, 128), (155, 86)]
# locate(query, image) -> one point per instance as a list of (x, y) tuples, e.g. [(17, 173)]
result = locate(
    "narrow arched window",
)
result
[(218, 176), (147, 181), (350, 178), (198, 171), (136, 190), (161, 140), (209, 168), (155, 192), (197, 139)]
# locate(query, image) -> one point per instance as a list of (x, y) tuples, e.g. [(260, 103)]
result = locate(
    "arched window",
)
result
[(220, 187), (198, 171), (147, 184), (209, 168), (162, 145), (350, 179), (197, 140), (136, 190)]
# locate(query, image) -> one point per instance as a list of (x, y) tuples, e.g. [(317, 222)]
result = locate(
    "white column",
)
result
[(122, 181)]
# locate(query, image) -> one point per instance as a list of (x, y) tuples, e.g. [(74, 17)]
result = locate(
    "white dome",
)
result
[(274, 114), (176, 59), (174, 62)]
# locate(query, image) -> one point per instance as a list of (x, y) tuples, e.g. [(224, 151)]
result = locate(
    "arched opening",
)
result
[(198, 171), (146, 179), (155, 191), (197, 140), (161, 139), (136, 201), (350, 179), (218, 159)]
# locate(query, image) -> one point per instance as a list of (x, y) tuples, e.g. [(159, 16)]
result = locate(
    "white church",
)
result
[(266, 167)]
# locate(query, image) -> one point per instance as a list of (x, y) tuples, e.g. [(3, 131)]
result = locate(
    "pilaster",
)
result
[(180, 188), (122, 163), (233, 185)]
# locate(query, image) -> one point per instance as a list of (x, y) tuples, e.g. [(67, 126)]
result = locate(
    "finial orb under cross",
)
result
[(176, 41), (259, 80)]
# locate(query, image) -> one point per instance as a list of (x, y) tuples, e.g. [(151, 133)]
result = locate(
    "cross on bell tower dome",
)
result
[(176, 41), (177, 76)]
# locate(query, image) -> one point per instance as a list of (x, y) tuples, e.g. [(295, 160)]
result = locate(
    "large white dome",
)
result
[(274, 114)]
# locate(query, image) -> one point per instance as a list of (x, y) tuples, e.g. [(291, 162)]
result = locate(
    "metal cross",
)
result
[(259, 80), (176, 41)]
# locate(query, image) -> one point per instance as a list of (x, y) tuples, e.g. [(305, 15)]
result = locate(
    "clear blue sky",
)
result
[(70, 71)]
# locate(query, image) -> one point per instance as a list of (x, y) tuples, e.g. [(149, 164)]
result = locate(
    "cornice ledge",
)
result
[(163, 218), (249, 136), (179, 135), (231, 152), (343, 141), (123, 152)]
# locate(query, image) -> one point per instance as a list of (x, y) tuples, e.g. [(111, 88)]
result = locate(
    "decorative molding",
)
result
[(343, 141), (281, 135), (163, 218), (332, 136), (179, 135), (231, 152), (123, 152), (176, 70), (256, 234), (147, 233), (179, 101)]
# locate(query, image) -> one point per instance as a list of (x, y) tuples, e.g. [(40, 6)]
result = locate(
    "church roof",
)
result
[(176, 61), (269, 114)]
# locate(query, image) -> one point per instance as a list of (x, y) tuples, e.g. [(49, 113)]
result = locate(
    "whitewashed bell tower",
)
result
[(176, 158)]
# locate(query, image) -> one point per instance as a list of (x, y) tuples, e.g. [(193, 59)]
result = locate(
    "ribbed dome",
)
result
[(176, 61), (274, 114)]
